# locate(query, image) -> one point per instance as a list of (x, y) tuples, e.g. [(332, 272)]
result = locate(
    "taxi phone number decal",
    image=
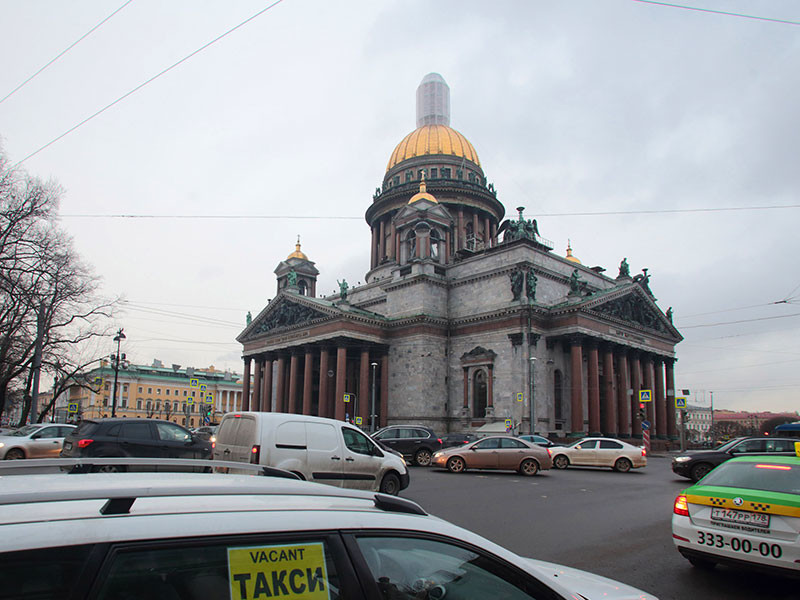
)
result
[(739, 545), (294, 571)]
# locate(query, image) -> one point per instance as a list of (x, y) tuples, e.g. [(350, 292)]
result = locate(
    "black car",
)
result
[(133, 438), (414, 442), (695, 464), (457, 439)]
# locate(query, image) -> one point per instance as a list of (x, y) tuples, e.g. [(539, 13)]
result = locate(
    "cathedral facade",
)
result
[(465, 318)]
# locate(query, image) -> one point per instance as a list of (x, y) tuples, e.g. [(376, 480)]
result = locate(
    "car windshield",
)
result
[(576, 442), (25, 431), (762, 475), (728, 444)]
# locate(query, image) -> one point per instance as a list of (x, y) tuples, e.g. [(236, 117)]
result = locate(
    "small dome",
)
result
[(423, 193), (569, 256), (297, 253), (431, 140)]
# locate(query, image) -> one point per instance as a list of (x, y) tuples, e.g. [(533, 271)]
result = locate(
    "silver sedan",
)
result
[(600, 452), (41, 440)]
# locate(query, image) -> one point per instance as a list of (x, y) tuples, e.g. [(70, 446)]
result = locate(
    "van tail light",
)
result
[(84, 442), (681, 506), (255, 453), (213, 444)]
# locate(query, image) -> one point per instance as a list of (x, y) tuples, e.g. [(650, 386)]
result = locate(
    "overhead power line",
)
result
[(719, 12), (742, 321), (62, 53), (141, 85)]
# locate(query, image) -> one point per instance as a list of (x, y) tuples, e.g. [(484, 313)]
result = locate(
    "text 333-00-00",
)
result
[(739, 545)]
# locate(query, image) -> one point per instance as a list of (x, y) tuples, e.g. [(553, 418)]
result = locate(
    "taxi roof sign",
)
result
[(797, 448)]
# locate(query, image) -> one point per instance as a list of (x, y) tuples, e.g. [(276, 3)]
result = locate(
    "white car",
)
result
[(745, 513), (210, 536), (600, 452), (39, 440)]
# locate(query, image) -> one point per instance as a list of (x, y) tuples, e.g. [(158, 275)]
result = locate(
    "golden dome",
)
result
[(569, 256), (430, 140), (423, 193), (297, 253)]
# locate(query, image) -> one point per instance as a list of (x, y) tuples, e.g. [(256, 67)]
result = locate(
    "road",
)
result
[(612, 524)]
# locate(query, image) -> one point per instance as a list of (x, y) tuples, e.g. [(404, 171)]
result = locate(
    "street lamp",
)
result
[(116, 359), (372, 414), (531, 374)]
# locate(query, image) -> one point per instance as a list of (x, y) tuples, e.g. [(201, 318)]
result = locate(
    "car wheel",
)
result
[(15, 454), (390, 484), (529, 467), (623, 465), (700, 470), (108, 469), (423, 457), (456, 465), (560, 462), (701, 563)]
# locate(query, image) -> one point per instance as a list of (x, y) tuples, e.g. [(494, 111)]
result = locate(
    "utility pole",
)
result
[(117, 338), (37, 364)]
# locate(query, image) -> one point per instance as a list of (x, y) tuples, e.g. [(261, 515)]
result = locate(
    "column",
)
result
[(609, 404), (649, 407), (397, 250), (256, 405), (672, 430), (266, 393), (494, 234), (382, 241), (373, 249), (308, 384), (447, 243), (323, 383), (280, 386), (341, 364), (384, 390), (594, 389), (475, 228), (363, 389), (623, 403), (576, 377), (661, 405), (487, 233), (392, 235), (636, 384), (466, 389), (246, 382), (293, 381), (460, 230)]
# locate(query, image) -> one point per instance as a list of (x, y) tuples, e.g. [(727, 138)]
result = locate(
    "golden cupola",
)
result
[(423, 193), (297, 253), (570, 257)]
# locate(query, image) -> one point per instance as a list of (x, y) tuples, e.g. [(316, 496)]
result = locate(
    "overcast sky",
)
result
[(574, 106)]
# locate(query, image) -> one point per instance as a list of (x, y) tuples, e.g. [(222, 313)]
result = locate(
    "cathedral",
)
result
[(465, 318)]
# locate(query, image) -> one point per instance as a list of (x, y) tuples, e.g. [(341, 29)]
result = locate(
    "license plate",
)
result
[(68, 445), (739, 516)]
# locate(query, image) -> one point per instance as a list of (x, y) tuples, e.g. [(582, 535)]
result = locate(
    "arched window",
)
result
[(303, 286), (149, 405), (436, 245), (411, 245), (558, 394), (479, 394), (139, 404), (470, 237)]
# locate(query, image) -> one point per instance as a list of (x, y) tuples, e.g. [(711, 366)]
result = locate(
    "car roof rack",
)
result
[(122, 491)]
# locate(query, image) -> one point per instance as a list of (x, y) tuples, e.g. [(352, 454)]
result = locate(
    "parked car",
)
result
[(600, 452), (206, 432), (457, 439), (317, 449), (744, 513), (415, 442), (116, 437), (495, 452), (40, 440), (116, 536), (538, 439), (695, 464)]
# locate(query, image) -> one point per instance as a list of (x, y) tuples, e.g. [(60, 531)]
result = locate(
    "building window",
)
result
[(140, 389), (436, 242), (124, 388), (446, 173), (396, 180), (434, 173), (409, 176), (106, 386), (166, 391), (148, 405), (175, 406), (303, 287), (158, 391), (459, 174), (184, 393), (139, 404), (479, 394), (149, 390)]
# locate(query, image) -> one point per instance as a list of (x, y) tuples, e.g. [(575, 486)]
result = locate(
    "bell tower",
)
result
[(297, 274)]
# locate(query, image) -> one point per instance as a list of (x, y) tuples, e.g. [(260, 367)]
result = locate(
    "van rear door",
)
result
[(236, 438)]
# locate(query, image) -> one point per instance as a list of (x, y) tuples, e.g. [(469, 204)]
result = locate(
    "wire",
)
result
[(141, 85), (63, 52), (144, 303), (718, 12), (716, 312), (339, 217), (742, 321)]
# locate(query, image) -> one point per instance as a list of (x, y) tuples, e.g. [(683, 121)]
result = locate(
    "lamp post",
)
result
[(117, 338), (531, 373), (372, 414)]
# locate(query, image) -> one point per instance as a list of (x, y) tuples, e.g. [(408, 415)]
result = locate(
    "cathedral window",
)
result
[(436, 242), (303, 287), (409, 176), (459, 174), (434, 173), (396, 180), (411, 245), (446, 173)]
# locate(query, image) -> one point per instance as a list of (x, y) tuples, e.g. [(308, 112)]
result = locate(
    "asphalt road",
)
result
[(612, 524)]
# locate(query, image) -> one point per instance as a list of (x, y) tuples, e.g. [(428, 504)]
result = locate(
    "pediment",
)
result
[(281, 314), (634, 308), (423, 209)]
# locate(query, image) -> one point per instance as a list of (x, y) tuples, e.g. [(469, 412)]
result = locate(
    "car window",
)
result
[(136, 431), (65, 431), (780, 446), (48, 432), (756, 476), (227, 431), (172, 433), (407, 433), (407, 568), (590, 445), (299, 569), (489, 444), (610, 445), (509, 443), (44, 573), (113, 431), (25, 431), (421, 433), (356, 441), (388, 434), (749, 446)]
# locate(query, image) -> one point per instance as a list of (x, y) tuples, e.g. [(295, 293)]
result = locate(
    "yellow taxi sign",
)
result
[(797, 448), (285, 571)]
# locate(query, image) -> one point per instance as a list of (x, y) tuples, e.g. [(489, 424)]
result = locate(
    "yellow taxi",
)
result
[(746, 512)]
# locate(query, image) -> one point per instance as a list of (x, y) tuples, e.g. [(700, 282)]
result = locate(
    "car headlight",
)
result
[(437, 454), (682, 458), (2, 445)]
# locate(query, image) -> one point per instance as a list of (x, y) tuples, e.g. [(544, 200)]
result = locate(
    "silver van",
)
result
[(315, 448)]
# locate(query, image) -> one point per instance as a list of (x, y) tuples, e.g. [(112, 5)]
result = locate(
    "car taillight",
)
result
[(440, 441), (681, 506), (255, 451), (213, 444), (83, 443), (644, 451)]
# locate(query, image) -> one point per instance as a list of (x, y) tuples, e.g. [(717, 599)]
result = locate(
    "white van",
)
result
[(316, 449)]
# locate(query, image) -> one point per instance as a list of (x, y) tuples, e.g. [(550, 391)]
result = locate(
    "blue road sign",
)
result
[(644, 395), (680, 402), (645, 425)]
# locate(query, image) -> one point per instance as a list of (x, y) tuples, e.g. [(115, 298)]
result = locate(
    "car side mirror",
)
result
[(473, 448), (377, 451)]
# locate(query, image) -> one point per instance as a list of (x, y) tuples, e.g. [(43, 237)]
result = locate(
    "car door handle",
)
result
[(335, 458), (348, 459)]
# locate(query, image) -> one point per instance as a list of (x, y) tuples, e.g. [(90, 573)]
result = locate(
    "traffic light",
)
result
[(642, 413), (209, 410)]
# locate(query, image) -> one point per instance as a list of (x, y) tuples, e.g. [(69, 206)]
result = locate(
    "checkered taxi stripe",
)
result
[(761, 507)]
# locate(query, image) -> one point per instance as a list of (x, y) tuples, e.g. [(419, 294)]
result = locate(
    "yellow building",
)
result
[(190, 397)]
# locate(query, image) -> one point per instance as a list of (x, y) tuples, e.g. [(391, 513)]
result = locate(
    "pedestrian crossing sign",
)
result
[(203, 387), (644, 396), (194, 383), (680, 402), (209, 397), (358, 420), (347, 397), (508, 423), (72, 407), (519, 396)]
